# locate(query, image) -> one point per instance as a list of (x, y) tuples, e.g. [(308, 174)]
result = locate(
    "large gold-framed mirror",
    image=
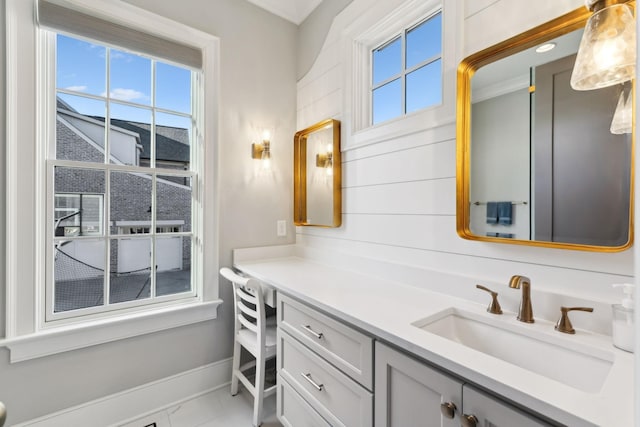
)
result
[(537, 163), (317, 187)]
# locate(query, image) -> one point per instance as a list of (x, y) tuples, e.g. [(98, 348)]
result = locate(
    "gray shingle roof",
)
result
[(171, 143), (61, 105)]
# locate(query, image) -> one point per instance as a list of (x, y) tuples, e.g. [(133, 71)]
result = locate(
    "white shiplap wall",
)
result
[(399, 194)]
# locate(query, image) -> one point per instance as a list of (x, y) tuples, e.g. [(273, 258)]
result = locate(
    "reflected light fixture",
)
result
[(607, 52), (262, 151), (622, 118), (325, 160), (545, 47)]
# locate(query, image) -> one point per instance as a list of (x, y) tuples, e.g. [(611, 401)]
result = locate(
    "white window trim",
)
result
[(27, 335), (378, 25)]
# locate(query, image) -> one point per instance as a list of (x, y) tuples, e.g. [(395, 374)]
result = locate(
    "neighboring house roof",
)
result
[(171, 143), (61, 105)]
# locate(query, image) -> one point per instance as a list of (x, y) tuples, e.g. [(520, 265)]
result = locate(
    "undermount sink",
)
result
[(579, 366)]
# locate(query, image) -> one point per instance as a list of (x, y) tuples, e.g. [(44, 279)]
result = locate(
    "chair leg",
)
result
[(259, 396), (237, 350)]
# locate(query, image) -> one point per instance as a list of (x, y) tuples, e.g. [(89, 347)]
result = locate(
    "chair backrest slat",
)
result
[(249, 325), (248, 303), (246, 296), (249, 311)]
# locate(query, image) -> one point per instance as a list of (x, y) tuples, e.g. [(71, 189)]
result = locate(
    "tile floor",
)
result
[(214, 409)]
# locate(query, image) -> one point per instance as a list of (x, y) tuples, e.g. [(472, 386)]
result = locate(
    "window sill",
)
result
[(60, 339), (397, 128)]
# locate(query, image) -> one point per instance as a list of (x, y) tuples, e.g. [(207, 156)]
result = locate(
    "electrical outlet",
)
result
[(282, 228)]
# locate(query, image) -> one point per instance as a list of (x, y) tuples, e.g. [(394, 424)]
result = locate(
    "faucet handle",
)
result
[(564, 324), (494, 306)]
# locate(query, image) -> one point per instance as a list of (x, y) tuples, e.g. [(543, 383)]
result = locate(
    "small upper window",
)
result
[(406, 73)]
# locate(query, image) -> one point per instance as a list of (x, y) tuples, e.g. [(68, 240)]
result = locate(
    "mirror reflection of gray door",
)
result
[(580, 194)]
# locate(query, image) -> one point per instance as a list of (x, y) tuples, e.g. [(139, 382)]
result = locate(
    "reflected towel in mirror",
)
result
[(504, 213), (492, 212)]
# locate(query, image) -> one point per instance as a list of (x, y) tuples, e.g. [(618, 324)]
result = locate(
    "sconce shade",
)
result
[(266, 158), (622, 119), (607, 52)]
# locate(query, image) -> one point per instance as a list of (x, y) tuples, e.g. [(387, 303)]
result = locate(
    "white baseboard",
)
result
[(137, 402)]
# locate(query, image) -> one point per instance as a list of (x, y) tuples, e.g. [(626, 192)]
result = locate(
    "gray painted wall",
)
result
[(257, 89), (500, 161), (313, 31)]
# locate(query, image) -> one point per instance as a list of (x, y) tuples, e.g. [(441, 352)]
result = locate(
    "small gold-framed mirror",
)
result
[(317, 187), (537, 162)]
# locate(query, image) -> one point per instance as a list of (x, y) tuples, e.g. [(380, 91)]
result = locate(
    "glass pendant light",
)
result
[(621, 122), (607, 52)]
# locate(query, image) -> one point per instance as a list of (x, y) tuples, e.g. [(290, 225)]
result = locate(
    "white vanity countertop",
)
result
[(387, 310)]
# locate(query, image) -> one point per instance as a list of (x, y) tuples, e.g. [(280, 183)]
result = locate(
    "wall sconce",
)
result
[(325, 160), (262, 151), (607, 53)]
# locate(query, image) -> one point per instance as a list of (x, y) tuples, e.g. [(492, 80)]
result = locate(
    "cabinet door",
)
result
[(409, 393), (492, 412)]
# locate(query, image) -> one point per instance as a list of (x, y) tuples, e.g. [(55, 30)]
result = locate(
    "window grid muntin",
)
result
[(153, 232), (107, 167), (380, 48), (122, 102), (404, 71)]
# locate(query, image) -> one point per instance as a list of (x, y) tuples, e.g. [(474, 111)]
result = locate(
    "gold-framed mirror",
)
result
[(317, 187), (538, 154)]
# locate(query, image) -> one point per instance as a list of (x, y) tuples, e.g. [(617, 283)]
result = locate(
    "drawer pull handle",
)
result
[(312, 332), (317, 386)]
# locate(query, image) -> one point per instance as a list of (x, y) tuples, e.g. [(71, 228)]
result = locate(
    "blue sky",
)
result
[(423, 86), (82, 68)]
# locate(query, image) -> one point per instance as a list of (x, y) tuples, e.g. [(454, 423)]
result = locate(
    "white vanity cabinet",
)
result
[(325, 369), (411, 393)]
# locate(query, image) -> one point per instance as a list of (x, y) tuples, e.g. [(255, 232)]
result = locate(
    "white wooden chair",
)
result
[(252, 333)]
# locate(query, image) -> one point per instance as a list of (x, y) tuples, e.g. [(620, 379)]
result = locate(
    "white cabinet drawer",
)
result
[(293, 410), (338, 399), (347, 349)]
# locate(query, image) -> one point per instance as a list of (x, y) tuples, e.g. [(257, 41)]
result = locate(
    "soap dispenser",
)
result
[(623, 319)]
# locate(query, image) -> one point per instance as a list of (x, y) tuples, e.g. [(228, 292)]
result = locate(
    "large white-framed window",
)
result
[(383, 31), (142, 164), (38, 106)]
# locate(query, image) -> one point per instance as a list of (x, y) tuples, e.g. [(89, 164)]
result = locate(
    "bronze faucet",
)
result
[(525, 312)]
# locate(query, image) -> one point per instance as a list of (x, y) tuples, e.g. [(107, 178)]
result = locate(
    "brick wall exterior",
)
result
[(130, 193)]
